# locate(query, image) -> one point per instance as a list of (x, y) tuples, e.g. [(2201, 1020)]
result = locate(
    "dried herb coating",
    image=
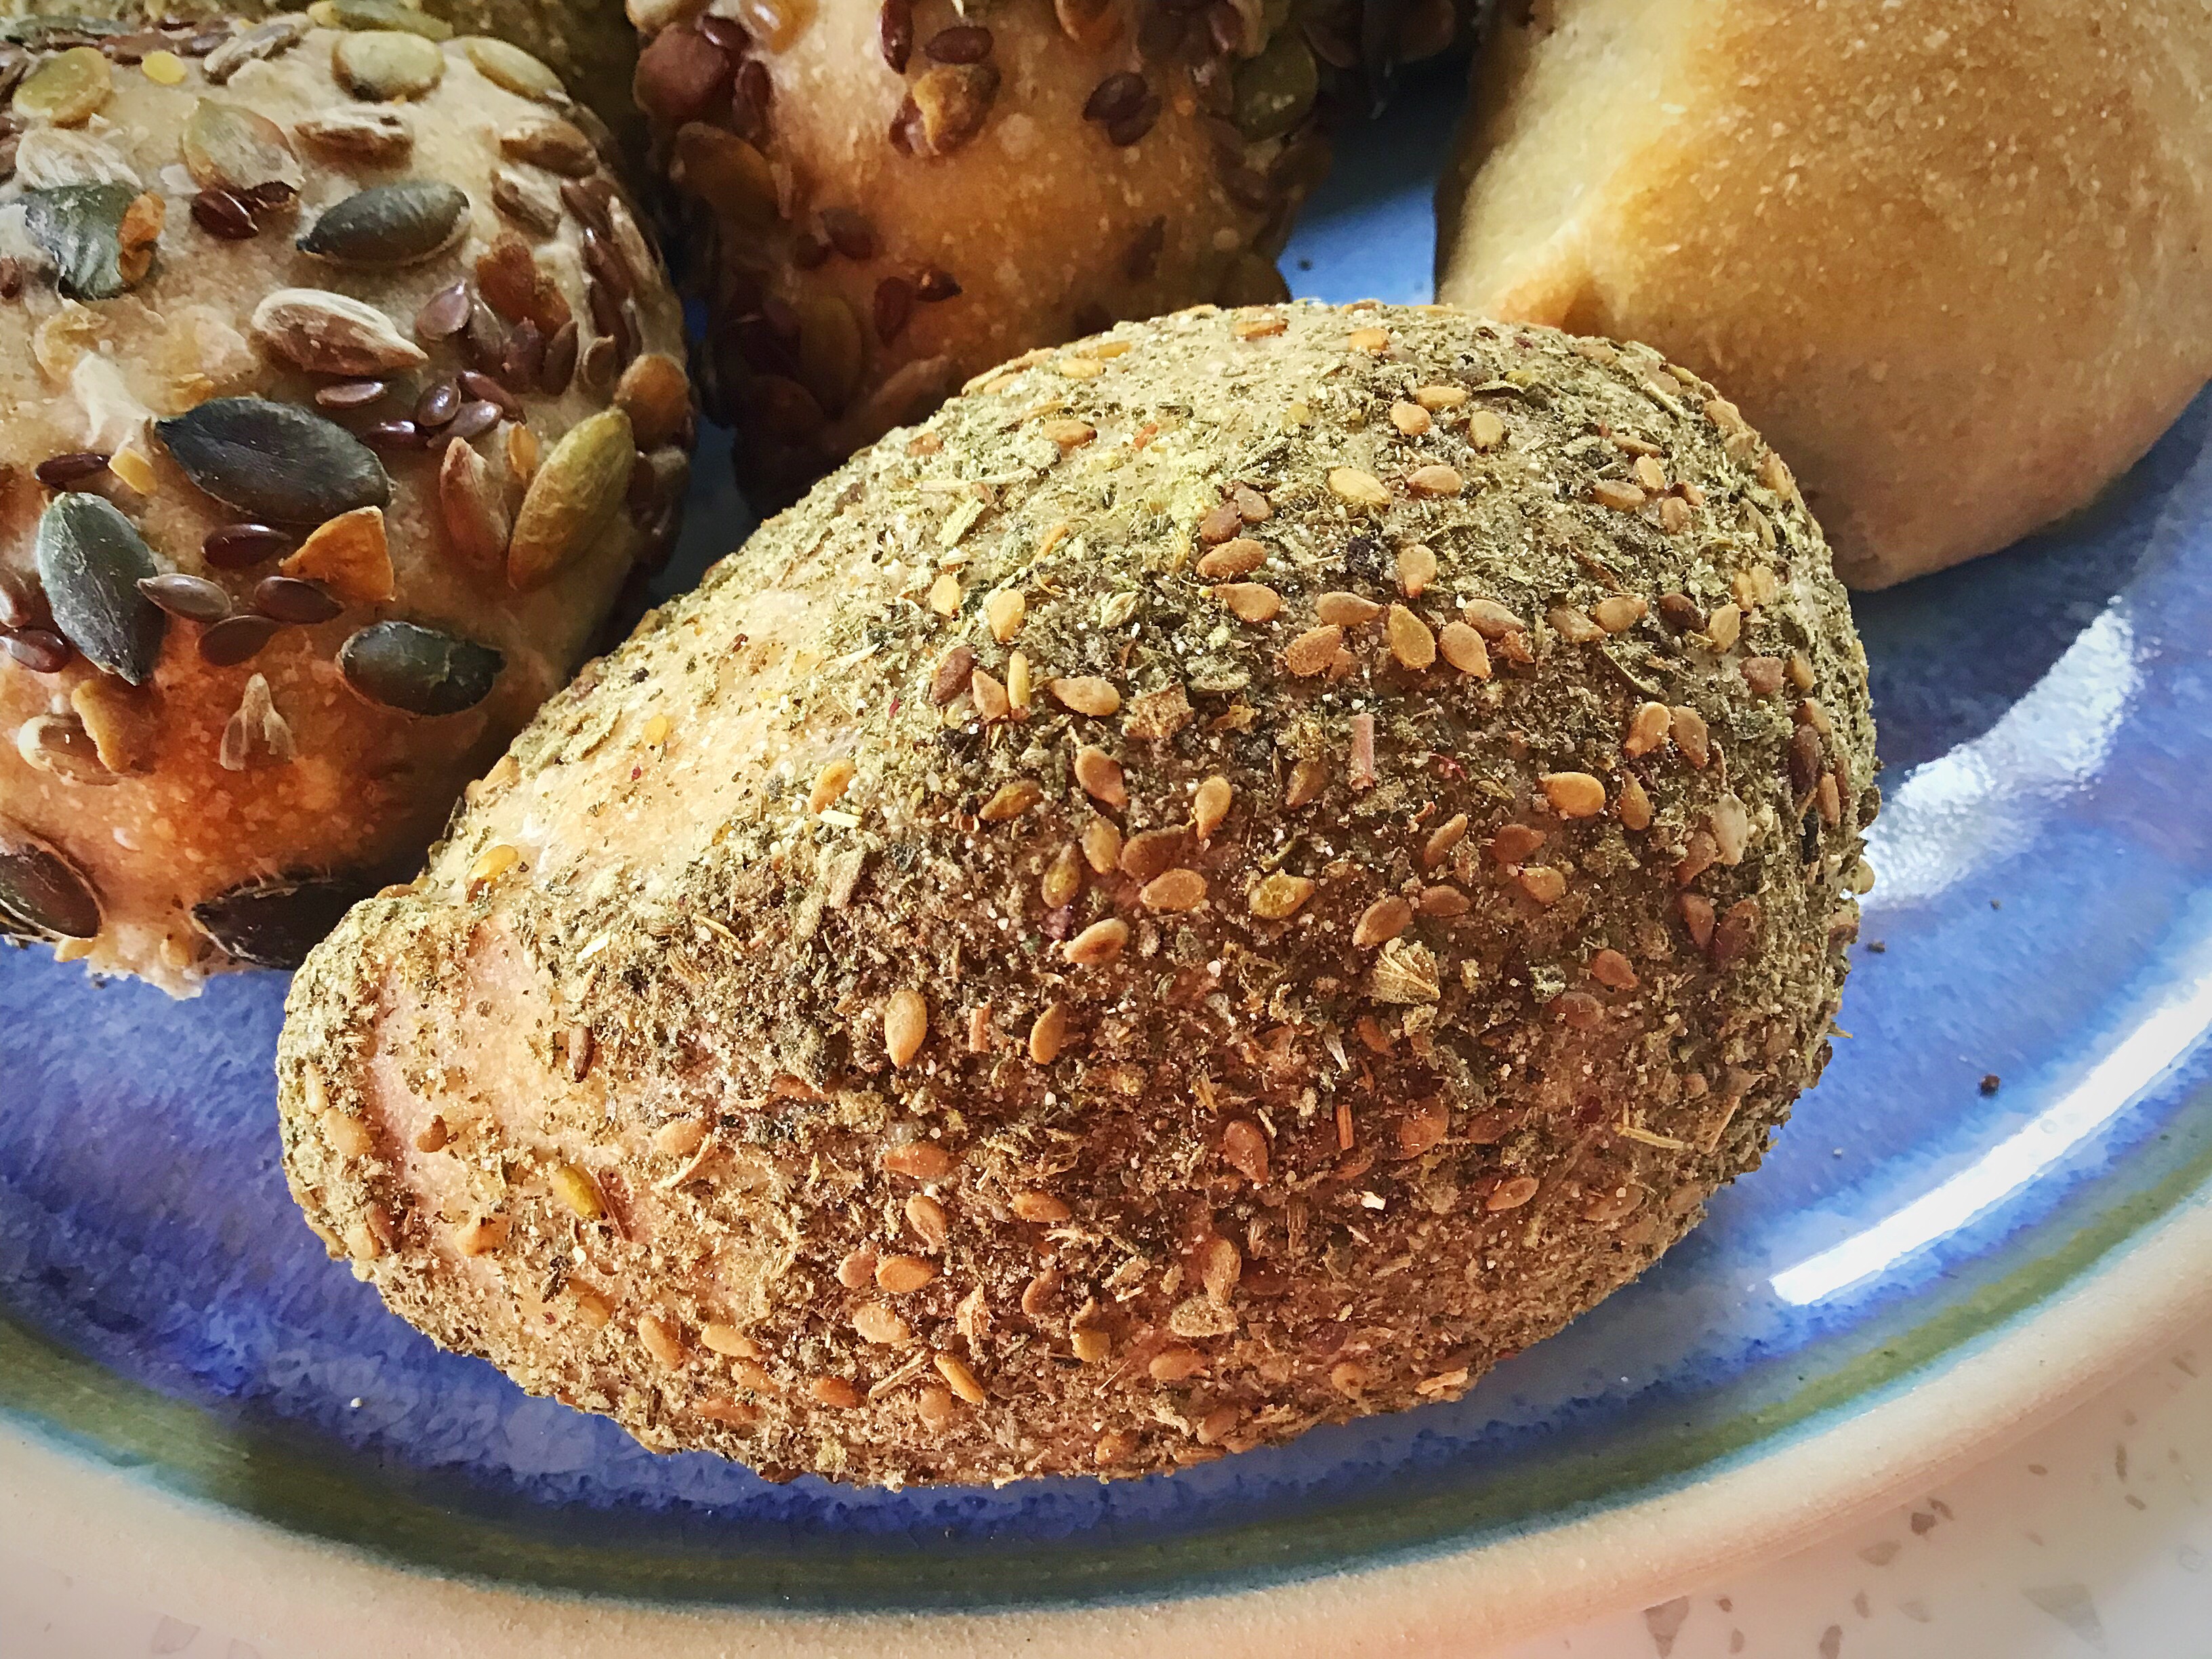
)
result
[(951, 1000)]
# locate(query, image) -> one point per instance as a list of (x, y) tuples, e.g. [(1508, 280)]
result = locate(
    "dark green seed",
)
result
[(81, 229), (275, 460), (42, 895), (389, 225), (1275, 89), (274, 924), (91, 559), (419, 670)]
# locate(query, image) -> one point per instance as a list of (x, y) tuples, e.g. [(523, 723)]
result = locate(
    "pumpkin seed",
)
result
[(42, 894), (474, 509), (383, 135), (91, 559), (59, 745), (279, 33), (516, 69), (727, 172), (387, 226), (417, 669), (275, 460), (67, 90), (274, 923), (228, 148), (830, 350), (101, 237), (327, 333), (576, 491), (385, 66), (1275, 89), (379, 15)]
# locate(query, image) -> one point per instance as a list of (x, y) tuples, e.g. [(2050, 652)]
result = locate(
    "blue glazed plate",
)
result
[(2017, 1126)]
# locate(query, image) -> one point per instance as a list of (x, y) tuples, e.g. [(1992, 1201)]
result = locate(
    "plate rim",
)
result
[(234, 1571)]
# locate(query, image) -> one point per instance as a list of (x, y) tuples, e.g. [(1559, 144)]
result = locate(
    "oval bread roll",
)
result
[(326, 445), (1261, 863), (1956, 262)]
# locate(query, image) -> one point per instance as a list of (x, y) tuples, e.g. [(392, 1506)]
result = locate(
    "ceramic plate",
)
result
[(2000, 1185)]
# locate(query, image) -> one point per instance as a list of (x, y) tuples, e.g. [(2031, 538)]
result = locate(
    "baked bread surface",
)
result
[(995, 984), (1956, 262), (199, 805)]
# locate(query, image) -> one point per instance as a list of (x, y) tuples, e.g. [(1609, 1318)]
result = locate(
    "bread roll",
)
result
[(1247, 869), (1954, 261), (295, 325), (885, 196)]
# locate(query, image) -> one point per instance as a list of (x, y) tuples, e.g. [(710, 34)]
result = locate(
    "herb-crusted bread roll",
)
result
[(339, 392), (885, 196), (1247, 869)]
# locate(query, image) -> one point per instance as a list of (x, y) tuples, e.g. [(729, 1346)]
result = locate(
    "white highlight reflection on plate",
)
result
[(2166, 1036), (1963, 811)]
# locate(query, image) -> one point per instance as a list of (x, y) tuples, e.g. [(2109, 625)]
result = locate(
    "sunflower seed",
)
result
[(43, 895), (49, 156), (549, 141), (274, 924), (576, 491), (472, 504), (327, 333), (58, 744), (91, 559), (534, 202), (417, 669), (262, 40), (101, 237), (382, 136), (385, 65), (388, 226), (228, 148), (515, 69), (275, 460), (194, 599)]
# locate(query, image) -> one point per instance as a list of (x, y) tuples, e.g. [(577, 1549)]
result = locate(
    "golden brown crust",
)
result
[(227, 770), (885, 196), (953, 1000), (1955, 267)]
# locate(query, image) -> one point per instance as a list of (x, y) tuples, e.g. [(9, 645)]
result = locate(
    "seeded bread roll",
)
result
[(1244, 870), (886, 196), (1958, 264), (321, 464)]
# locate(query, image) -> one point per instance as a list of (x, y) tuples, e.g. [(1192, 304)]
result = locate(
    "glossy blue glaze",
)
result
[(2046, 911)]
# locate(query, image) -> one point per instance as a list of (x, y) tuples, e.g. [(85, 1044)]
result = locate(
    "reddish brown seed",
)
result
[(525, 355), (849, 233), (193, 598), (490, 391), (678, 74), (603, 261), (236, 639), (895, 30), (65, 471), (223, 216), (727, 34), (242, 546), (476, 418), (1131, 127), (288, 599), (346, 395), (39, 649), (440, 402), (560, 365), (933, 286), (965, 43), (587, 199), (894, 306), (269, 196), (1115, 97), (444, 314), (392, 435), (11, 277)]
